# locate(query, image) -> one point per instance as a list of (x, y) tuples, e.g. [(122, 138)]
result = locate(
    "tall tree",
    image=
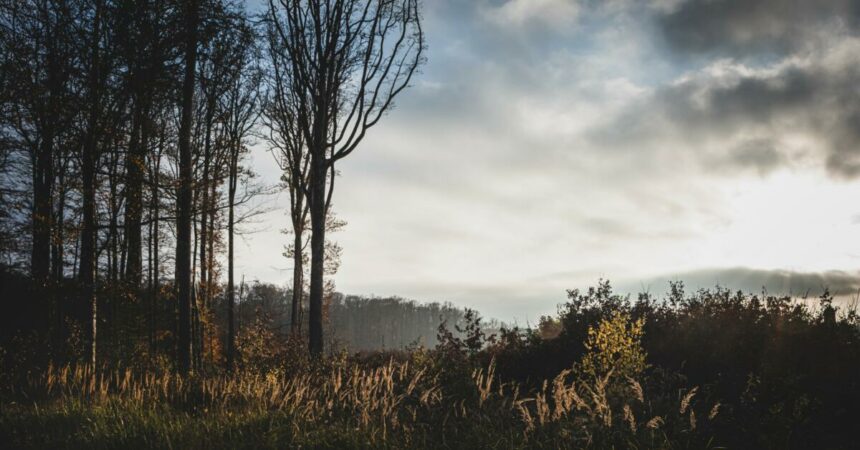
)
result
[(348, 60), (222, 43), (288, 147), (37, 41), (241, 110), (144, 53), (183, 219), (89, 161)]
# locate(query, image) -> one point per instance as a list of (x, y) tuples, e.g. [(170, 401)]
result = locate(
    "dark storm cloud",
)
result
[(777, 282), (751, 112), (810, 88), (819, 99), (760, 99), (743, 27)]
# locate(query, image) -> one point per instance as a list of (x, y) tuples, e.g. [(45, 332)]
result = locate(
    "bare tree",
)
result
[(348, 60), (288, 146)]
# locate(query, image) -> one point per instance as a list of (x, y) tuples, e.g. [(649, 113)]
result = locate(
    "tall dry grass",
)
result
[(340, 403), (396, 405)]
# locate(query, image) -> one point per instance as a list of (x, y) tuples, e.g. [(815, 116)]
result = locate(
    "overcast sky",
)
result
[(550, 143)]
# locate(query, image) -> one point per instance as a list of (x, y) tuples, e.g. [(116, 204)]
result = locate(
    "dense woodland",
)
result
[(110, 168), (125, 129)]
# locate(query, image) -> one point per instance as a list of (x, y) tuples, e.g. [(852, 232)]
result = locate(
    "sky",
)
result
[(548, 144)]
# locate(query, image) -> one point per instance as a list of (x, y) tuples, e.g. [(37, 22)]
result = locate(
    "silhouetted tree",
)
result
[(89, 161), (183, 220), (289, 148), (241, 102), (348, 61)]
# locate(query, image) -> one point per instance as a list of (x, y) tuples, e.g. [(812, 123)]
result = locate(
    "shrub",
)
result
[(614, 349)]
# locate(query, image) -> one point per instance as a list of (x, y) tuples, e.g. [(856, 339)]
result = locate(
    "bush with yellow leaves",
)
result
[(614, 347)]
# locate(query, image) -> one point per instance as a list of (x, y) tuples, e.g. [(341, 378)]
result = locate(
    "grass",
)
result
[(349, 407), (344, 404)]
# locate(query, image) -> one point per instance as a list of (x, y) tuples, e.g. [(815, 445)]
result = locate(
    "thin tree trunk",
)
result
[(133, 201), (76, 255), (210, 265), (203, 290), (204, 203), (317, 206), (231, 300), (114, 245), (153, 243), (43, 178), (59, 224), (298, 279), (58, 258), (150, 287), (195, 286), (87, 272)]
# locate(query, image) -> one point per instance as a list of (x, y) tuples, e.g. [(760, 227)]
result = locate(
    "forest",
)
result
[(126, 128)]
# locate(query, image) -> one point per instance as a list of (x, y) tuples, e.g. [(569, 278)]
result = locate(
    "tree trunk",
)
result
[(59, 224), (43, 179), (58, 257), (231, 300), (203, 289), (210, 270), (317, 205), (87, 271), (156, 269), (204, 205), (133, 201), (195, 287), (150, 287), (183, 220), (298, 279), (153, 238)]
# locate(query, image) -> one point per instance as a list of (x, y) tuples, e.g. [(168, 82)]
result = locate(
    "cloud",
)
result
[(760, 154), (556, 13), (748, 27), (733, 115), (776, 282), (776, 88)]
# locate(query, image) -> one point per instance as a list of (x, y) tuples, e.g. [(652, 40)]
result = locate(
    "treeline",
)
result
[(125, 128), (262, 322), (362, 323), (353, 323)]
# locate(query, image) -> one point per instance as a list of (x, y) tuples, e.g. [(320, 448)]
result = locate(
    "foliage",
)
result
[(781, 368), (258, 345), (614, 349)]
